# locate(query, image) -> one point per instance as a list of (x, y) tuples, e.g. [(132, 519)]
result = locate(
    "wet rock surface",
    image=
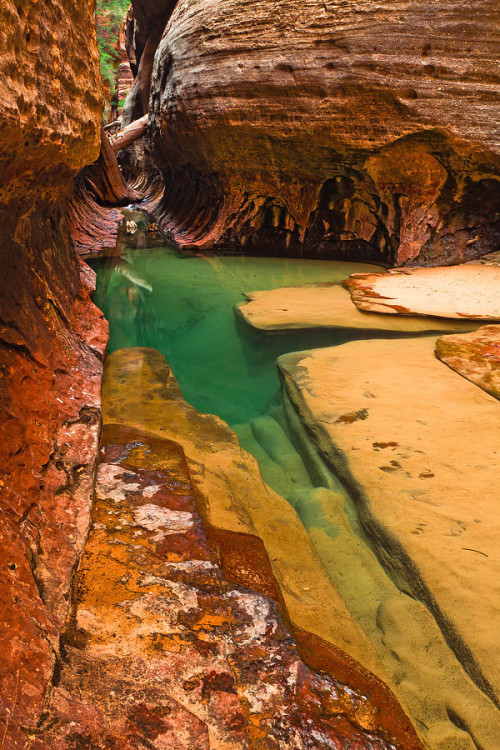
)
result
[(421, 473), (263, 545), (164, 651), (466, 291), (476, 356), (315, 127)]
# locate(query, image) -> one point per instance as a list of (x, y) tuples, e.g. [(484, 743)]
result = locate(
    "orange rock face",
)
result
[(359, 130), (52, 341)]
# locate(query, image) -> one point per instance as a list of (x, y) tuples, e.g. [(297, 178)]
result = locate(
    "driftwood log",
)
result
[(92, 219), (129, 134)]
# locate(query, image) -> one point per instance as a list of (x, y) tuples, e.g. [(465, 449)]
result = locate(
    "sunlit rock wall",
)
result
[(51, 341), (363, 129)]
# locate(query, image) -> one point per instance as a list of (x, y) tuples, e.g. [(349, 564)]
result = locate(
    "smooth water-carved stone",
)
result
[(423, 472), (330, 306), (302, 127), (467, 291)]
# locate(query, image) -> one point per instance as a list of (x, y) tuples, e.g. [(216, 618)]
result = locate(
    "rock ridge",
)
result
[(307, 130)]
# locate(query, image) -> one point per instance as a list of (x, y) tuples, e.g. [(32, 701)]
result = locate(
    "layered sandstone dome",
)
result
[(329, 128)]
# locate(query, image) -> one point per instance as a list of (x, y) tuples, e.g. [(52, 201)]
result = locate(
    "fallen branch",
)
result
[(129, 134)]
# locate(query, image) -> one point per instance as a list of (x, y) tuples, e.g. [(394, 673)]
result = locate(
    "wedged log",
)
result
[(92, 220), (129, 134), (307, 130), (104, 178)]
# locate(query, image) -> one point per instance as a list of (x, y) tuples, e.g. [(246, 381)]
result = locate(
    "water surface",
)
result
[(183, 306)]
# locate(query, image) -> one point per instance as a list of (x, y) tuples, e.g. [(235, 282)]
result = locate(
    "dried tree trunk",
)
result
[(129, 134)]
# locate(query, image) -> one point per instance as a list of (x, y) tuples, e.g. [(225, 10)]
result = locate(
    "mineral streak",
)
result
[(466, 292), (476, 356)]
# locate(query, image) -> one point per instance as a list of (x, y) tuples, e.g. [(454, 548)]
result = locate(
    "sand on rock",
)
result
[(475, 355), (328, 305), (467, 291)]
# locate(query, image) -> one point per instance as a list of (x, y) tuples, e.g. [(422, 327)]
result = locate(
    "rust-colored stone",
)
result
[(52, 341), (476, 356), (169, 653), (92, 222), (317, 128)]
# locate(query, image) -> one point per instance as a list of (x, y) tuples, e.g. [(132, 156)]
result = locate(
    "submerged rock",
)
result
[(476, 356), (313, 127)]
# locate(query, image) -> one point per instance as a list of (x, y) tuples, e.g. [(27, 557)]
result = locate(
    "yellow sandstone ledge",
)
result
[(330, 306), (140, 391), (465, 291), (418, 446)]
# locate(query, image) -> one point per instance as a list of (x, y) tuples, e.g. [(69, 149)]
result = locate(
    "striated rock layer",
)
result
[(52, 341), (330, 129)]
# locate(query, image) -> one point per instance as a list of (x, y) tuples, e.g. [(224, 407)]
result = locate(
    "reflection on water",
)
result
[(183, 306)]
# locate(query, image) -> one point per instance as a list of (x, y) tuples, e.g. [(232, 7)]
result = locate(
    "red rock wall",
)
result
[(314, 126), (52, 340)]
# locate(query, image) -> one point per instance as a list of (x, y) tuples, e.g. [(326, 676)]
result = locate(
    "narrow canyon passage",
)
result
[(249, 375)]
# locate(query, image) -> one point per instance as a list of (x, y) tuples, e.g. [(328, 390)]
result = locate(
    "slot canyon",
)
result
[(249, 375)]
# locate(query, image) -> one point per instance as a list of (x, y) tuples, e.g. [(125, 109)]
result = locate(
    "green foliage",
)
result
[(110, 14)]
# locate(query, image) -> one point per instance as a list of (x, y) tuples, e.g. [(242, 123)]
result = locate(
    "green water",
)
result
[(183, 306)]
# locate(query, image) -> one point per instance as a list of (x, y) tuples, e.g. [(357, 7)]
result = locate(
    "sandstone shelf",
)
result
[(467, 291), (330, 306), (418, 446)]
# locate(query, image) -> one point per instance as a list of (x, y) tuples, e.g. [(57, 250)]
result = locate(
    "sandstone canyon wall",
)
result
[(52, 341), (329, 128)]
